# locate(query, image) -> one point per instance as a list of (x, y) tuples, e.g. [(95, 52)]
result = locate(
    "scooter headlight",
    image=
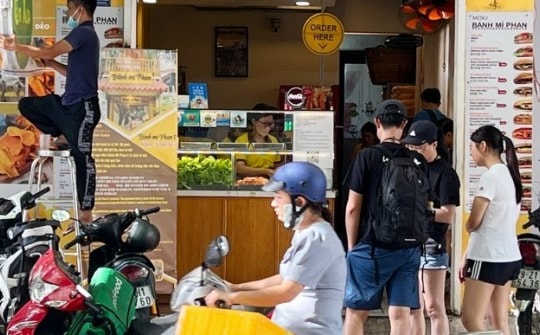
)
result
[(39, 289)]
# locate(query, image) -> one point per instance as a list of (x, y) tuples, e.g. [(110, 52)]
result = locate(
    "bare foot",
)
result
[(59, 143), (61, 140), (85, 216)]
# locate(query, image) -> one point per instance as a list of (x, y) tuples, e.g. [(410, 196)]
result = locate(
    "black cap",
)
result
[(421, 132), (391, 106)]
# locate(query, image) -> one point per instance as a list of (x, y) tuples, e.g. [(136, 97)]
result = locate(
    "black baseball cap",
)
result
[(390, 106), (423, 131)]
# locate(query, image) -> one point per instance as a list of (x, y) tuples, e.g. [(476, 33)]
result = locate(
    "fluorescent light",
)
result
[(149, 1), (302, 3)]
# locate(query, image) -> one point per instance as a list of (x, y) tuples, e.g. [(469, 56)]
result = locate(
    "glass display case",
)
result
[(239, 150)]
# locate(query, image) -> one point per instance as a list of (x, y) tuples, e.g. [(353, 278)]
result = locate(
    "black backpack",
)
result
[(401, 216)]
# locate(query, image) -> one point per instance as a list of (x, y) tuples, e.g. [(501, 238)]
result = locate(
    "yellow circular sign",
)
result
[(323, 33)]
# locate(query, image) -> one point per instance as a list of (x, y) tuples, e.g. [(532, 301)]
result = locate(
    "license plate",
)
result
[(145, 298), (527, 279)]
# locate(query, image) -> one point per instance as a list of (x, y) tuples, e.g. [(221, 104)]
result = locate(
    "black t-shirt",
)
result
[(363, 177), (444, 183)]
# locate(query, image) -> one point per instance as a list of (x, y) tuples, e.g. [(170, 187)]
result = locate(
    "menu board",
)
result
[(536, 121), (313, 140), (499, 87)]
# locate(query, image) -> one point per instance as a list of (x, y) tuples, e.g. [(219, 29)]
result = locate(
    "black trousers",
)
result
[(77, 123)]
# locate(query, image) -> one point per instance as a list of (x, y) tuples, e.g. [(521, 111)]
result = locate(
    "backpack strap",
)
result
[(381, 148), (385, 151)]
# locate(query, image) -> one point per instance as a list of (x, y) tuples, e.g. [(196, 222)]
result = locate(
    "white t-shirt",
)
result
[(495, 239), (315, 259)]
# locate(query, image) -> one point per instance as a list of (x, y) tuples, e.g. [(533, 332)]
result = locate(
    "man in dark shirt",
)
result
[(372, 268), (431, 100), (73, 116)]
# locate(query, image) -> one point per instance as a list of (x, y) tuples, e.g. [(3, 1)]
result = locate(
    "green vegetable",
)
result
[(204, 170)]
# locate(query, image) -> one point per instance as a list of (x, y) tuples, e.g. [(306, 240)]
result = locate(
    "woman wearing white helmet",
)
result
[(308, 291)]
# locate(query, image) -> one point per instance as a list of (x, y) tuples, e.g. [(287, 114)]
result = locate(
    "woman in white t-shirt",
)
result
[(492, 258)]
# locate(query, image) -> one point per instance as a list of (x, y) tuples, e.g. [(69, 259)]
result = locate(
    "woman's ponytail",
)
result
[(512, 163)]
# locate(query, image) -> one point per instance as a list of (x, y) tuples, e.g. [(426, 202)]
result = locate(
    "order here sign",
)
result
[(323, 33)]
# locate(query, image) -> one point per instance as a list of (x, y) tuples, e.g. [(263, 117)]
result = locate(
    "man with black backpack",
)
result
[(387, 217)]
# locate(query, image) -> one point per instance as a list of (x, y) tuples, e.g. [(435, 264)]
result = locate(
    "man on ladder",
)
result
[(71, 118)]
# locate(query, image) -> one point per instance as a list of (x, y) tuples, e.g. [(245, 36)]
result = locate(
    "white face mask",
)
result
[(288, 216), (72, 23)]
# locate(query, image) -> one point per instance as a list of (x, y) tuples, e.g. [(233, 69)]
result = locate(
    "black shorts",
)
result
[(493, 273)]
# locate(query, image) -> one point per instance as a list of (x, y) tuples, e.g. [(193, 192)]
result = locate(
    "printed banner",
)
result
[(32, 23), (499, 86), (135, 145)]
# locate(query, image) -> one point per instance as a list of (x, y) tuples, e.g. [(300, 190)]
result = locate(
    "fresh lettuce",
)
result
[(204, 170)]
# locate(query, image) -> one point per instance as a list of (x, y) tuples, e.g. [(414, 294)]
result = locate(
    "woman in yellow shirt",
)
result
[(257, 164)]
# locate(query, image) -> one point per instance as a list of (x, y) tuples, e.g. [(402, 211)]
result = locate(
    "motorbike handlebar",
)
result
[(143, 212), (527, 225), (220, 303), (73, 242), (40, 193)]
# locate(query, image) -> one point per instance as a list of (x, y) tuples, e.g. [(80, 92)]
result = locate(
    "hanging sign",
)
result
[(323, 33)]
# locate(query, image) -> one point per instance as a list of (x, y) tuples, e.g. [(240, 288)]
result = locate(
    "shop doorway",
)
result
[(358, 98)]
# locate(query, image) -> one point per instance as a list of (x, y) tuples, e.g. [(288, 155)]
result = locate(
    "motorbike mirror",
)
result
[(61, 215), (218, 248)]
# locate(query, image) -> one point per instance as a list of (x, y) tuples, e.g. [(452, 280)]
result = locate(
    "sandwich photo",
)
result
[(523, 133), (523, 64), (523, 38), (525, 91), (524, 52), (115, 44), (525, 162), (523, 119), (114, 32), (527, 191), (523, 78), (526, 205), (526, 176), (523, 148), (524, 104)]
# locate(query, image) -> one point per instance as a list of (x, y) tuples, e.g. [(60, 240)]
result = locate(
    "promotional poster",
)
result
[(136, 143)]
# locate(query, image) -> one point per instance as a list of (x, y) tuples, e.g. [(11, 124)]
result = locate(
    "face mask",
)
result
[(288, 216), (72, 23)]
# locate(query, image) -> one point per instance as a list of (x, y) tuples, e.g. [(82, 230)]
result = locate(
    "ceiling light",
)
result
[(302, 3), (150, 1)]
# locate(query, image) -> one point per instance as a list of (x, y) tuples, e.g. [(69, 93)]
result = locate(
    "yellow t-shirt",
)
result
[(264, 161)]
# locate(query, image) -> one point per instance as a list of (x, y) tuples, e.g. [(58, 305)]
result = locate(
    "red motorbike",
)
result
[(55, 290), (55, 293)]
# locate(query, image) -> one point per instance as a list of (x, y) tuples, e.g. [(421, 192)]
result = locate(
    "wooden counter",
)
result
[(258, 240)]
